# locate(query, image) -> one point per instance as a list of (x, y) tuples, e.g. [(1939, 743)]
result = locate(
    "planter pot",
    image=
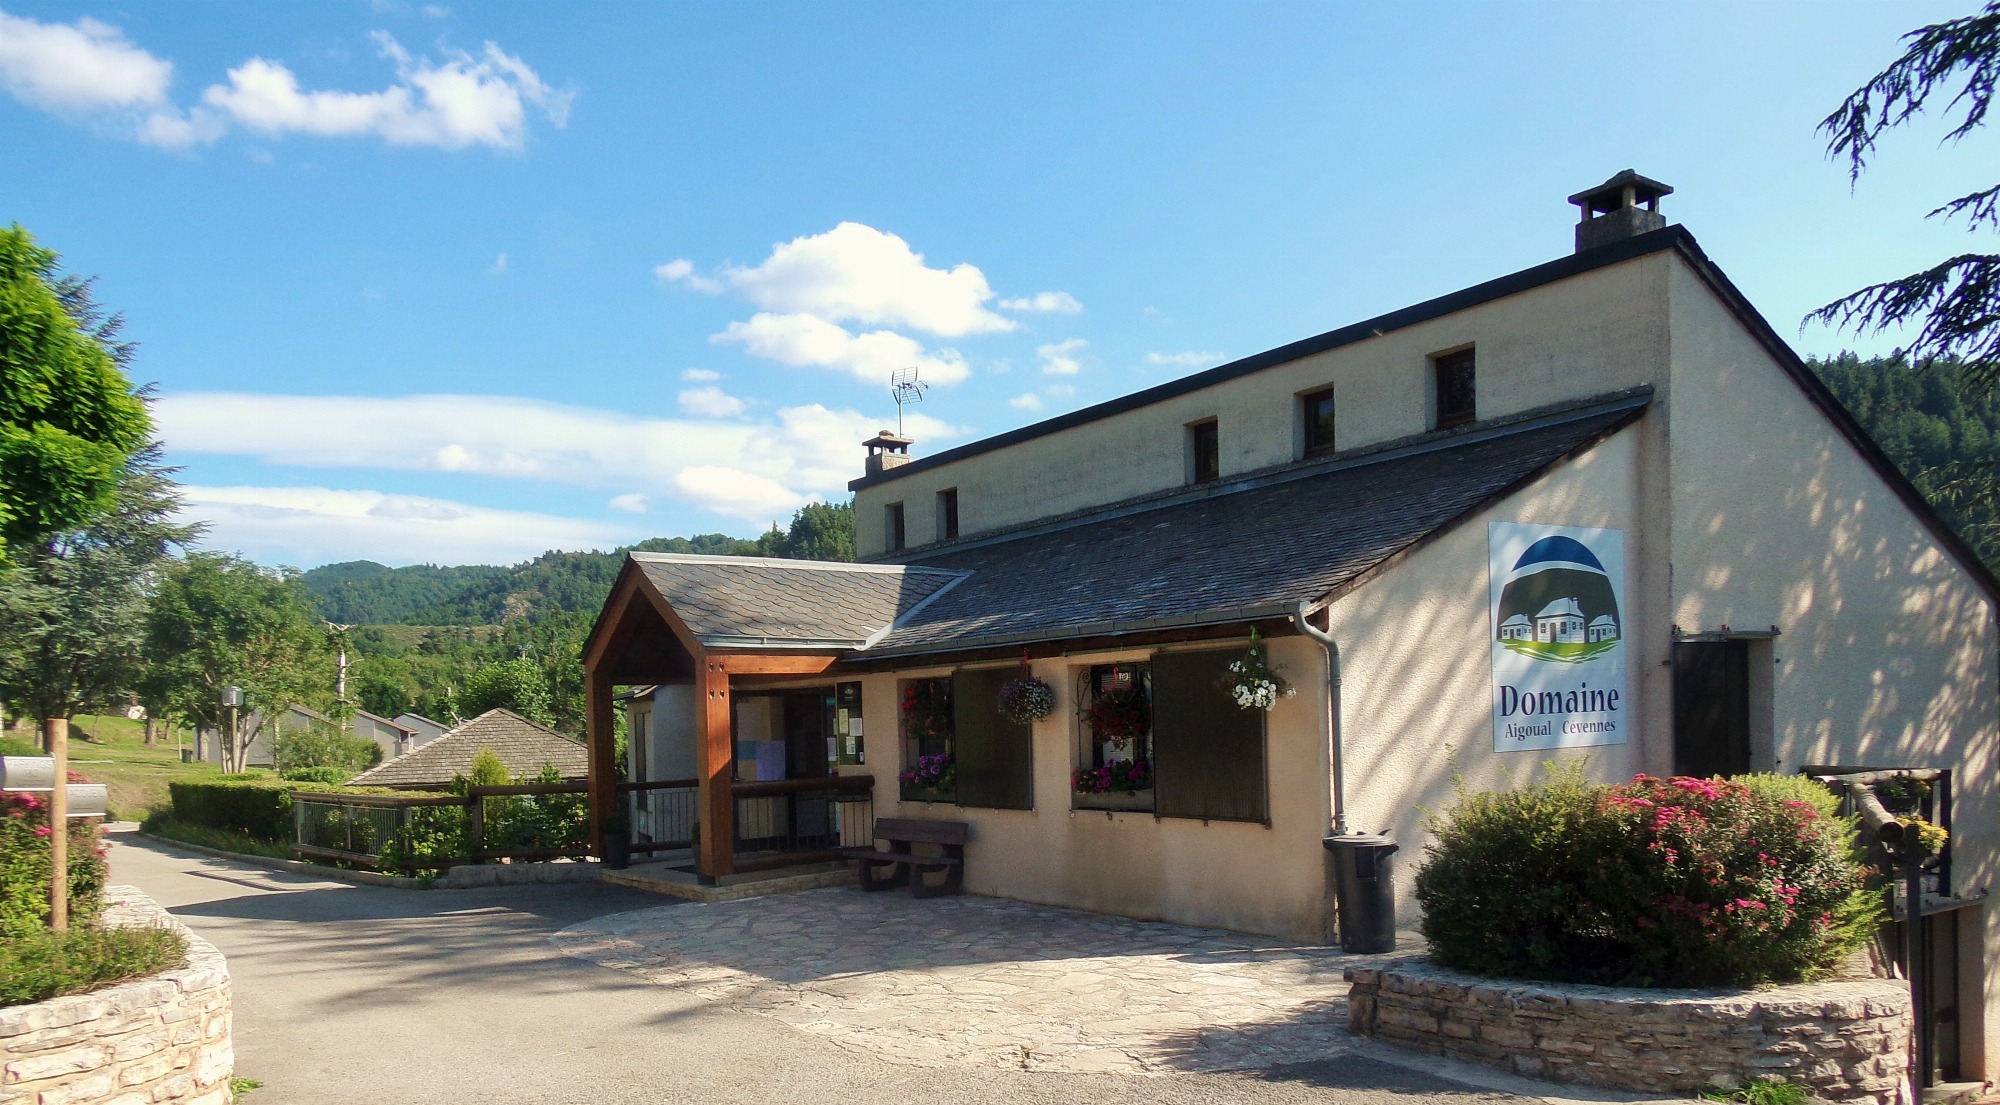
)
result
[(617, 850), (1115, 800)]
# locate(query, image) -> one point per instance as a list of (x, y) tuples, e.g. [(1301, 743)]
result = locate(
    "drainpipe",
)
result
[(1326, 641)]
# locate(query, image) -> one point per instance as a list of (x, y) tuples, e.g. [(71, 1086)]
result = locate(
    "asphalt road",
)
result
[(351, 994)]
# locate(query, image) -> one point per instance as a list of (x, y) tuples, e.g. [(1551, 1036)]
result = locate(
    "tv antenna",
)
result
[(907, 389)]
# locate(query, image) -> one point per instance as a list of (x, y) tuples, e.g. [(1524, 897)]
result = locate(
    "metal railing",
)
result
[(425, 832), (665, 816), (795, 817)]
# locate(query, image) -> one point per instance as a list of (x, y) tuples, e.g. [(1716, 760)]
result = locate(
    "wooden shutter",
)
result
[(1208, 755), (994, 756)]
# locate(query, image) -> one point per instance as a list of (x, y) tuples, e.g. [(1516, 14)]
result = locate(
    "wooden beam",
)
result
[(55, 733), (603, 749), (715, 752), (774, 663)]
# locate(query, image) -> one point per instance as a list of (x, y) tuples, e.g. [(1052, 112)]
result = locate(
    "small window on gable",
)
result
[(1204, 452), (1317, 410), (1455, 389), (893, 526), (947, 514)]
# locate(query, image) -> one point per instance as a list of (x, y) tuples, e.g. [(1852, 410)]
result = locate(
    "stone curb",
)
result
[(463, 877)]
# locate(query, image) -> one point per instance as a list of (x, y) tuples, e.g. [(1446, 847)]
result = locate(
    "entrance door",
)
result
[(808, 726), (1941, 994), (1711, 708)]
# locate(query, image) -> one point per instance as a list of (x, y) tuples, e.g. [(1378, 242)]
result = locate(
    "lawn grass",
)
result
[(51, 964), (111, 749), (163, 824)]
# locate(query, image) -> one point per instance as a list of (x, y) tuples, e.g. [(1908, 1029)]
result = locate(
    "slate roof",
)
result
[(1239, 552), (521, 744), (744, 601)]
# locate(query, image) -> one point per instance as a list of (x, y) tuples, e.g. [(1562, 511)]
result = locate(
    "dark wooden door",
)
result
[(1941, 994), (1711, 708)]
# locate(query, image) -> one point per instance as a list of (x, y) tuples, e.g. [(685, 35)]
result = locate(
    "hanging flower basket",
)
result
[(1253, 683), (1119, 776), (1120, 714), (1026, 700)]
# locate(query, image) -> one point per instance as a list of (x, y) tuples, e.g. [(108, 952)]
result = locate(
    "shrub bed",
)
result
[(45, 965), (25, 866), (1655, 882), (258, 807)]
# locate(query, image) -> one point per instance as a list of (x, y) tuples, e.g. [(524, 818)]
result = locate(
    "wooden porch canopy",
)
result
[(718, 623)]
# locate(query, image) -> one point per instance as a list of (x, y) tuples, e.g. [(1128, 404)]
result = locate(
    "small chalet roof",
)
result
[(1561, 608), (747, 601), (521, 744)]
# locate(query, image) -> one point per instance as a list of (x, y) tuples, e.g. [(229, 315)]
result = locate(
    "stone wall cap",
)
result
[(1804, 999)]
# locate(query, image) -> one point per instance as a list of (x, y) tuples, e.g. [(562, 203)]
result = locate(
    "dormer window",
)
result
[(1455, 390), (1204, 452), (947, 514), (1316, 408)]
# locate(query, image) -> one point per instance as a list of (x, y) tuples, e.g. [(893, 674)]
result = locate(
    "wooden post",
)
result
[(475, 825), (602, 745), (55, 733), (715, 765)]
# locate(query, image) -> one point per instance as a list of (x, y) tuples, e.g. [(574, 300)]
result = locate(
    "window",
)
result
[(893, 526), (1204, 452), (925, 717), (1456, 394), (1208, 754), (1317, 410), (993, 756), (947, 512), (1114, 761)]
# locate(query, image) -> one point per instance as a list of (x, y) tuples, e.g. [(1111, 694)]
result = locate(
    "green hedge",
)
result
[(258, 807)]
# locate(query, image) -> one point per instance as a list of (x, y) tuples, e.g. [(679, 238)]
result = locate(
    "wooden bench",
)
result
[(907, 868)]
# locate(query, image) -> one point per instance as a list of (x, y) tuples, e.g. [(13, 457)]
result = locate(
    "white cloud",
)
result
[(1190, 359), (856, 273), (1056, 303), (1027, 401), (81, 66), (1060, 391), (710, 402), (632, 503), (680, 270), (804, 339), (700, 375), (314, 525), (1059, 358), (436, 11), (737, 493), (500, 265), (459, 102), (805, 450)]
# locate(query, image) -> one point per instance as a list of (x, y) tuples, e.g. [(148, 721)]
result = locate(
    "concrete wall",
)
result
[(1888, 647), (164, 1040), (1531, 353)]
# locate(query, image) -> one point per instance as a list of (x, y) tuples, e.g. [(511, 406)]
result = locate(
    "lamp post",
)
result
[(231, 700)]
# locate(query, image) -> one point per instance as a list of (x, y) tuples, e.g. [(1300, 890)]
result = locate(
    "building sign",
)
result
[(1558, 603)]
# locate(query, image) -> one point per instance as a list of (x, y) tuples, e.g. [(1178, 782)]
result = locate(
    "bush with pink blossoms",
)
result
[(25, 865), (1654, 882)]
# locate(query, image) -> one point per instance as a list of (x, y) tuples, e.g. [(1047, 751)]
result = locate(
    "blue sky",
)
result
[(461, 283)]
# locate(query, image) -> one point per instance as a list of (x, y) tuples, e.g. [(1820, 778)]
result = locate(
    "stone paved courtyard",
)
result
[(990, 982)]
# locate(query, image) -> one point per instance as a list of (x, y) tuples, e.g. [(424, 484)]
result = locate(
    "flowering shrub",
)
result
[(25, 865), (934, 772), (1026, 699), (1655, 882), (1253, 683), (927, 710), (1121, 776), (1120, 714)]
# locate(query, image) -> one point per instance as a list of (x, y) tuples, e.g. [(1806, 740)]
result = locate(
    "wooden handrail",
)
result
[(389, 801), (526, 788), (841, 784), (669, 784)]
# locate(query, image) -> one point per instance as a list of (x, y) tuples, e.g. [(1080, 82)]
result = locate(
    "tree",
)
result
[(1955, 304), (73, 608), (219, 621), (819, 531), (69, 418), (324, 745), (519, 685)]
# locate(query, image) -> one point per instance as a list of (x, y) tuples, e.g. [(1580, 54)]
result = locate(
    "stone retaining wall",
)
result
[(1847, 1041), (162, 1040)]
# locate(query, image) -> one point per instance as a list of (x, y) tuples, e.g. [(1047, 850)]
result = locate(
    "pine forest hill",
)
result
[(448, 640)]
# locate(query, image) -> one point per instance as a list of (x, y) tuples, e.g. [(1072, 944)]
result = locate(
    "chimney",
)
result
[(1625, 206), (886, 451)]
